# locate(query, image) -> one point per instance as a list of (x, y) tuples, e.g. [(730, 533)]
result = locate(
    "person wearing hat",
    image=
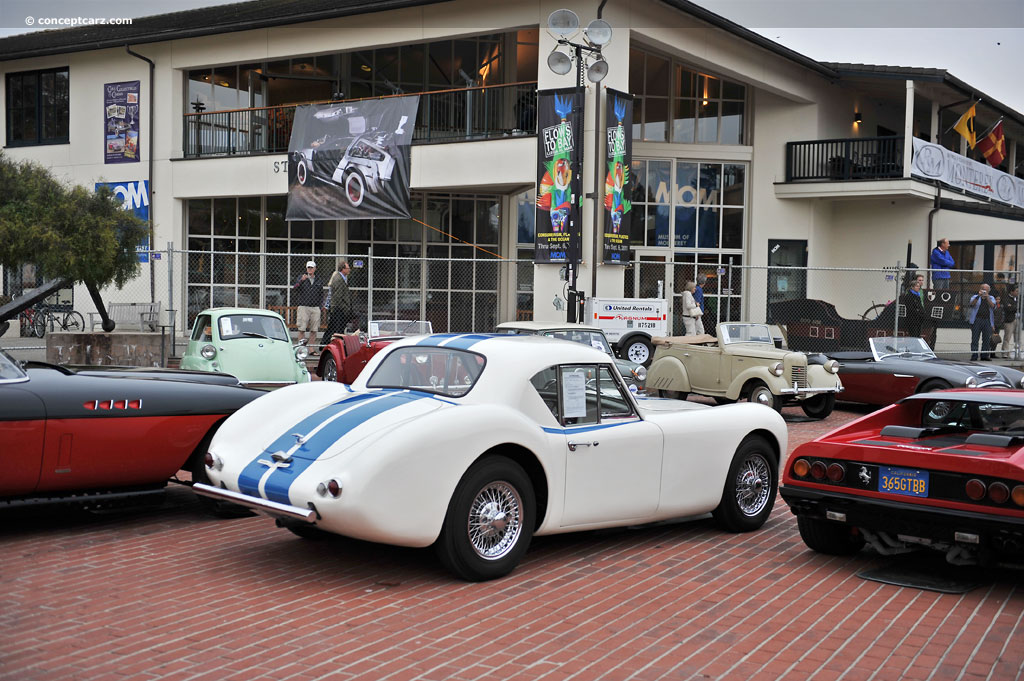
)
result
[(308, 296)]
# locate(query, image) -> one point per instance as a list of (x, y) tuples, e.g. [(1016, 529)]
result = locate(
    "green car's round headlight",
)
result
[(301, 352), (208, 352)]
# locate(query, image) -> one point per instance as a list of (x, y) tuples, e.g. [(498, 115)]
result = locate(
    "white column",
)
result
[(908, 129)]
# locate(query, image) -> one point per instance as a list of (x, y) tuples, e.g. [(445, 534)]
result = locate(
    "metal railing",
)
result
[(444, 116), (860, 158)]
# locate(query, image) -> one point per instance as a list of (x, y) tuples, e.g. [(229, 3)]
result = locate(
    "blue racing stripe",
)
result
[(280, 480), (572, 430), (467, 341)]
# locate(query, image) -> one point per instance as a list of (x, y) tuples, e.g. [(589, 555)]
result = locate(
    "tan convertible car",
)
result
[(742, 362)]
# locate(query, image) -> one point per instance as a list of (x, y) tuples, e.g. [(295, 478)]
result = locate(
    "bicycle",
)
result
[(34, 320), (38, 320)]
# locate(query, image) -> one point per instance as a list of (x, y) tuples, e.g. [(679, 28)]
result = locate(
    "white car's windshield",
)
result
[(234, 326), (745, 333), (594, 339), (908, 348)]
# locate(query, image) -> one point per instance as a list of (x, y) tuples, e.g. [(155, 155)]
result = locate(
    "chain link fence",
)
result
[(835, 309)]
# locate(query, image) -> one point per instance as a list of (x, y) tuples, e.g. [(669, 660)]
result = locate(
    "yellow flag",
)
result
[(965, 126)]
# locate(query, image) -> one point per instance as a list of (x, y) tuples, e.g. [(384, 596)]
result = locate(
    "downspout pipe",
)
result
[(149, 135), (931, 215), (598, 182)]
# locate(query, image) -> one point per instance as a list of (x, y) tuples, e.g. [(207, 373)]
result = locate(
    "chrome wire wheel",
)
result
[(330, 369), (753, 484), (495, 520)]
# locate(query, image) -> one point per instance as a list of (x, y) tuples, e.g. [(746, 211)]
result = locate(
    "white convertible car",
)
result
[(474, 443)]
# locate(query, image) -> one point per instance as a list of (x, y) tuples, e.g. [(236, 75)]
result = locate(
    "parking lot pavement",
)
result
[(169, 593)]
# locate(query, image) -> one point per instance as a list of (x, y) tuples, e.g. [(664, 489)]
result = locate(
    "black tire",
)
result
[(638, 350), (819, 406), (750, 487), (216, 507), (834, 539), (671, 394), (761, 394), (355, 187), (73, 321), (490, 519), (330, 369), (39, 324), (934, 384)]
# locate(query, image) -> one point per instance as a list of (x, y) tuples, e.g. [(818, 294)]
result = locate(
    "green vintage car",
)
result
[(252, 345)]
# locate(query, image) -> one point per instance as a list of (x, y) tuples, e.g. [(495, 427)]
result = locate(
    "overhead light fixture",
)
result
[(559, 62), (857, 118), (598, 70), (563, 23), (598, 33)]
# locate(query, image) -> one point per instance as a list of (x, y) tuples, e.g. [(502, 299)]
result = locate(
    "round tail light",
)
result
[(836, 472), (801, 467), (818, 470), (334, 488), (998, 492), (208, 460), (1018, 495), (975, 489)]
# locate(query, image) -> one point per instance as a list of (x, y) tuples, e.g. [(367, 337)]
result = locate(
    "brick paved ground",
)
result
[(171, 594)]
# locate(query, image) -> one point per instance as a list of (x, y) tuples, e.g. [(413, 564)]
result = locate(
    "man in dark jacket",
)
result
[(308, 296), (340, 313)]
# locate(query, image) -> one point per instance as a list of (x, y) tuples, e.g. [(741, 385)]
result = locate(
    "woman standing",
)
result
[(691, 311)]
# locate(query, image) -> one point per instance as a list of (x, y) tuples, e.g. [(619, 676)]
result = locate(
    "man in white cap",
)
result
[(308, 296)]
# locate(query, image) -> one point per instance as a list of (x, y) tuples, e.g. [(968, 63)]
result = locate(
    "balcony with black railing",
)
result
[(859, 158), (469, 114)]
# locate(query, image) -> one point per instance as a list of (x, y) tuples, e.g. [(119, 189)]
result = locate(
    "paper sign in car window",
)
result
[(225, 326), (574, 395)]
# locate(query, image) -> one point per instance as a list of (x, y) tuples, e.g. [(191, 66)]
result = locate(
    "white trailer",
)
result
[(629, 324)]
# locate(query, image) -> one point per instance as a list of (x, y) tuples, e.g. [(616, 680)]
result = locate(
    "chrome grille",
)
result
[(798, 376)]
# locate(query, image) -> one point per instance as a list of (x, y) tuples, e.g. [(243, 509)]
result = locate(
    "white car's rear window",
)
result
[(443, 371)]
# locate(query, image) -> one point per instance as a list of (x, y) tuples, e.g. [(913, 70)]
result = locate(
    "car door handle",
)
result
[(574, 445)]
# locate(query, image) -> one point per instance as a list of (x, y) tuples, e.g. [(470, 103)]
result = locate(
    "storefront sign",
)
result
[(121, 122), (560, 160), (938, 163), (351, 161), (617, 189), (134, 197)]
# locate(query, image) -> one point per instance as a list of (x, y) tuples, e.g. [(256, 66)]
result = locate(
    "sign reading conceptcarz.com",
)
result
[(617, 189), (559, 155), (350, 160)]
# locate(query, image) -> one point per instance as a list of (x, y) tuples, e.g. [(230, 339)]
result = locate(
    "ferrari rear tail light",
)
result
[(801, 467), (975, 489), (836, 472), (998, 492), (818, 470), (1018, 495)]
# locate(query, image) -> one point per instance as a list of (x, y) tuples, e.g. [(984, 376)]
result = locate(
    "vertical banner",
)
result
[(560, 160), (134, 197), (121, 119), (351, 161), (617, 207)]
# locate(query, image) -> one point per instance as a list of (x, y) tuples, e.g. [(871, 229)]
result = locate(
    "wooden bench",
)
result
[(145, 315)]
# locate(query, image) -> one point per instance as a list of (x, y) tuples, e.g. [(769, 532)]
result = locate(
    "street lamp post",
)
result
[(563, 25)]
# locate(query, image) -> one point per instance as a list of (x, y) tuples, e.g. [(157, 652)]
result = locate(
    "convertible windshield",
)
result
[(444, 371), (10, 370), (745, 333), (909, 348), (251, 326)]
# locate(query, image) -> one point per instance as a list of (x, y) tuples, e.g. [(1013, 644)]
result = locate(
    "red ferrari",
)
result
[(96, 437), (941, 470)]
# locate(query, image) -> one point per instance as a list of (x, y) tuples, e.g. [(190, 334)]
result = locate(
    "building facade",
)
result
[(745, 154)]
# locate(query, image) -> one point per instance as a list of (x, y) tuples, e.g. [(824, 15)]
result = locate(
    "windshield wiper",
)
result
[(253, 334)]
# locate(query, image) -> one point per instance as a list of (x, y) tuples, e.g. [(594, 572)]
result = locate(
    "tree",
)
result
[(69, 232)]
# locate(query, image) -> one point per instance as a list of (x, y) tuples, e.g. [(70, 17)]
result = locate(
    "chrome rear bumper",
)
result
[(272, 508)]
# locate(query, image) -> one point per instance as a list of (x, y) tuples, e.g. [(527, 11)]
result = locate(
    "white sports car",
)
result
[(474, 443)]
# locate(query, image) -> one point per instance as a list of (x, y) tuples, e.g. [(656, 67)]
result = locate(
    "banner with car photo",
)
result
[(350, 161), (617, 189), (560, 157)]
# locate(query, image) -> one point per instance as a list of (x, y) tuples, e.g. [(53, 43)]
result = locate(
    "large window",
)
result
[(676, 103), (37, 107)]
